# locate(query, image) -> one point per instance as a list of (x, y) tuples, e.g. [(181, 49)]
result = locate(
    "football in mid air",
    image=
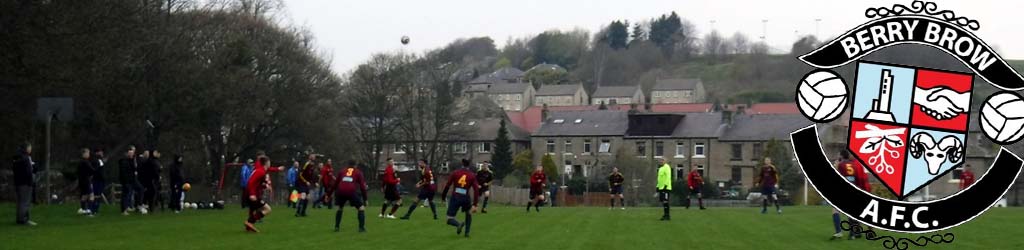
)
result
[(405, 40)]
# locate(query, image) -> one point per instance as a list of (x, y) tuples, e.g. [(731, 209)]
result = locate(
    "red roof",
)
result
[(774, 108), (682, 107)]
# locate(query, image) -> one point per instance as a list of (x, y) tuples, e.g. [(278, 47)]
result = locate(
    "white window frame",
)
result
[(703, 150), (461, 148), (955, 178), (550, 146), (567, 147), (656, 150), (605, 147), (638, 153), (399, 149), (587, 146), (680, 150), (480, 148)]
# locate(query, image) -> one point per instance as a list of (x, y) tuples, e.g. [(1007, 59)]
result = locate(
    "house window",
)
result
[(680, 150), (586, 146), (737, 152), (680, 172), (519, 97), (399, 148), (606, 146), (485, 147), (461, 148), (641, 148), (957, 172), (659, 149), (737, 174), (700, 169), (758, 151), (567, 149), (551, 146), (657, 94), (698, 150)]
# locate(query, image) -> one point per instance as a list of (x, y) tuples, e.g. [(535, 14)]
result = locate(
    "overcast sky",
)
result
[(350, 31)]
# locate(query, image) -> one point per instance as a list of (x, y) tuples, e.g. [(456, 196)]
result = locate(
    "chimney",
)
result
[(544, 113)]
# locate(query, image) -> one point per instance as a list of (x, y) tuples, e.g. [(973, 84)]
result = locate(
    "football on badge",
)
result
[(1002, 117), (821, 95)]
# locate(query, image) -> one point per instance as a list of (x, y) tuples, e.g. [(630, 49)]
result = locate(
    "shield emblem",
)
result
[(909, 124)]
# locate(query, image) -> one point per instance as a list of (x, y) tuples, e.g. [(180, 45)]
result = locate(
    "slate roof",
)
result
[(557, 90), (676, 84), (700, 125), (487, 129), (508, 88), (502, 75), (762, 127), (615, 91), (592, 123)]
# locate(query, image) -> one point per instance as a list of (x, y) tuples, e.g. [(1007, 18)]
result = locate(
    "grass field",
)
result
[(501, 228)]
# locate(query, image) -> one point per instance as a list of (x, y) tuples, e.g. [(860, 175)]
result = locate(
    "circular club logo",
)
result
[(908, 125)]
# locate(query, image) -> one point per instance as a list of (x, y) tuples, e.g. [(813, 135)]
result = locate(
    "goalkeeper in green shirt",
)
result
[(664, 186)]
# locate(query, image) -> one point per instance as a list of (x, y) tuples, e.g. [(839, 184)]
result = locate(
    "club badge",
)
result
[(909, 125)]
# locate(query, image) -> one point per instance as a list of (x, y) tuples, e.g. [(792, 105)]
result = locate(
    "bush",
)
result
[(577, 185)]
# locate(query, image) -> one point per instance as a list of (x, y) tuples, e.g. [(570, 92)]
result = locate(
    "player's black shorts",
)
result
[(391, 193), (484, 188), (355, 200), (258, 203), (84, 187), (769, 190), (696, 191), (616, 190), (302, 188), (457, 203), (535, 193), (663, 195), (426, 194)]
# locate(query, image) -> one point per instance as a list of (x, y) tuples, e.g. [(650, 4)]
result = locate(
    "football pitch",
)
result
[(502, 228)]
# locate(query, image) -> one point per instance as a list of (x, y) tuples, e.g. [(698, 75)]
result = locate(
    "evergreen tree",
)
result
[(502, 160)]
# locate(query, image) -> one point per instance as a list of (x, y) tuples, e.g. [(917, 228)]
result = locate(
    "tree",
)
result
[(714, 45), (616, 35), (523, 161), (502, 158), (804, 45), (740, 43), (639, 33), (548, 163), (372, 101)]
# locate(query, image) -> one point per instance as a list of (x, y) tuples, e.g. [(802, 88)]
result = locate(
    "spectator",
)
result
[(128, 167), (85, 173), (246, 173), (24, 168), (554, 192), (177, 180), (99, 182), (291, 177)]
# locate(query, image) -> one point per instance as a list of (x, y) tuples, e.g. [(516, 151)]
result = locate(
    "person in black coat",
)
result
[(130, 185), (152, 180), (24, 168), (176, 181), (85, 174), (99, 182)]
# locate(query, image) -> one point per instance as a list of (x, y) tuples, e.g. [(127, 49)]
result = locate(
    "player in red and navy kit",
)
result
[(349, 181), (615, 181), (696, 183), (391, 195), (966, 177), (538, 180), (258, 181), (853, 172), (307, 178), (326, 185), (463, 180), (484, 176), (427, 190), (768, 180)]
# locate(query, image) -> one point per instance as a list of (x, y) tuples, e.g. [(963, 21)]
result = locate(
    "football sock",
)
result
[(337, 218), (687, 203), (469, 221), (384, 208), (528, 205), (777, 205), (82, 205), (764, 204), (393, 209), (700, 201), (612, 202), (485, 201), (622, 202), (362, 219), (836, 223), (664, 206), (433, 209), (453, 222), (411, 208)]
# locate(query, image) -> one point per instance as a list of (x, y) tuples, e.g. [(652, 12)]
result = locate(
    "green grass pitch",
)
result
[(502, 228)]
